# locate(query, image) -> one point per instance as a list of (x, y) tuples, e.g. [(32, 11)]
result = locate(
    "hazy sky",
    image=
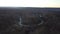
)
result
[(29, 3)]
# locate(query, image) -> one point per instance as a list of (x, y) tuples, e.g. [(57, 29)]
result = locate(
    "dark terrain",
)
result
[(9, 20)]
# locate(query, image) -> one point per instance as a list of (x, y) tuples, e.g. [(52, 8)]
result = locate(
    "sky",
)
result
[(30, 3)]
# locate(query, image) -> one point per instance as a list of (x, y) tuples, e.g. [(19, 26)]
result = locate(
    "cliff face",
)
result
[(9, 20)]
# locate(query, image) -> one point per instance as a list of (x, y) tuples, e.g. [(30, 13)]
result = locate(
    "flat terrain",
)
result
[(9, 20)]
